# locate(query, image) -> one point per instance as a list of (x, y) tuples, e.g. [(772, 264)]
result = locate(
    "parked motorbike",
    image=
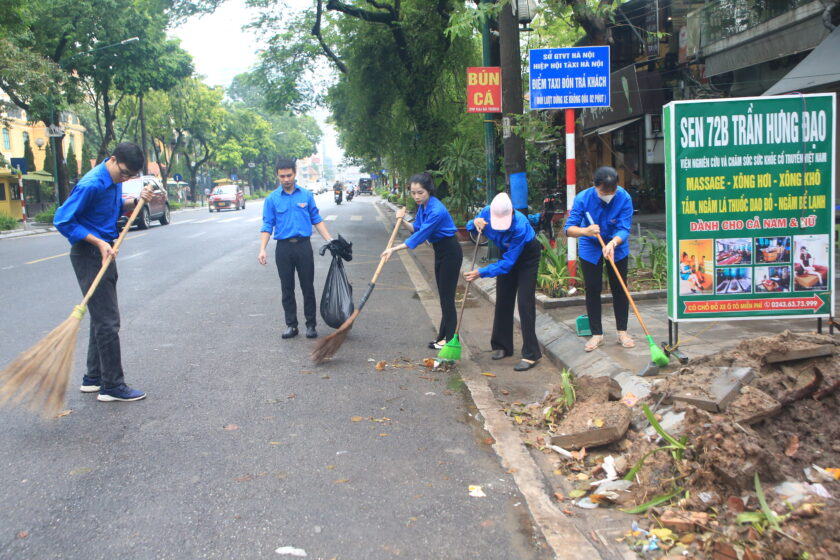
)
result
[(339, 196)]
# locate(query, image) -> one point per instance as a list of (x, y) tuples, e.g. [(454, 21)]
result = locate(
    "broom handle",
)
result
[(137, 208), (621, 281), (382, 260), (467, 289)]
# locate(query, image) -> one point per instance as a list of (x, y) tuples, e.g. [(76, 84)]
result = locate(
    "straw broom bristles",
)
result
[(40, 375), (328, 346)]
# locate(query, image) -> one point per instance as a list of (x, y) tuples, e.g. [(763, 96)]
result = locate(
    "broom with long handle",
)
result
[(329, 345), (40, 375), (657, 356), (451, 351)]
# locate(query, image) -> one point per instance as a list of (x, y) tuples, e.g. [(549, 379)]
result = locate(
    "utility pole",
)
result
[(489, 122), (143, 138), (514, 146)]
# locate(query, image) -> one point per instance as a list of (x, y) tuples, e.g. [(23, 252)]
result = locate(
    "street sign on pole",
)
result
[(569, 78), (233, 177), (178, 177), (19, 163), (252, 164), (55, 131), (484, 89)]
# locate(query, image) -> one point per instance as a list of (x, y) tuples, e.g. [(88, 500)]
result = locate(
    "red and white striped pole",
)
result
[(22, 200), (571, 179)]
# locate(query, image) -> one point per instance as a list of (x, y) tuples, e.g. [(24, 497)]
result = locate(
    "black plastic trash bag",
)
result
[(337, 297)]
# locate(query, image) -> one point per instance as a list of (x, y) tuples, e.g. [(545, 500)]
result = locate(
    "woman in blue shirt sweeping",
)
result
[(612, 211), (516, 277), (433, 223)]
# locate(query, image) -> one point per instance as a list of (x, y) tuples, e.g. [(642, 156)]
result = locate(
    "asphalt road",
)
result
[(243, 446)]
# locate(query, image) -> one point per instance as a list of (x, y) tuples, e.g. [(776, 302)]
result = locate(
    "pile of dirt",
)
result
[(780, 428)]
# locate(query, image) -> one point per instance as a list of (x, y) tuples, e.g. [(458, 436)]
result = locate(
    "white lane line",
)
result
[(331, 218), (226, 220), (252, 220), (204, 221), (121, 259), (199, 234), (179, 222), (355, 218)]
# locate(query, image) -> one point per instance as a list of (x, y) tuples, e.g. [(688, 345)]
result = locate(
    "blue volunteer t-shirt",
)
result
[(432, 223), (290, 215), (613, 218), (93, 207), (510, 242)]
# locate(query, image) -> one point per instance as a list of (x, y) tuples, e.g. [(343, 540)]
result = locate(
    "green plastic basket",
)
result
[(582, 326)]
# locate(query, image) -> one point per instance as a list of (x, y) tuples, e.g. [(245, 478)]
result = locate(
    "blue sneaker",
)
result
[(89, 385), (121, 393)]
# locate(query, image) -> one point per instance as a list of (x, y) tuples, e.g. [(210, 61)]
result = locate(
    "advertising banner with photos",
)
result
[(750, 207)]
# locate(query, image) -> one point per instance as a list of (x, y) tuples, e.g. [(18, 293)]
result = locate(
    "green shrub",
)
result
[(174, 205), (7, 222), (45, 217)]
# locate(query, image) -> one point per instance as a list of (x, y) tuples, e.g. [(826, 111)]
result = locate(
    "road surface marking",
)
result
[(199, 234), (355, 218), (179, 222), (226, 220), (204, 221), (331, 218), (251, 220), (48, 258)]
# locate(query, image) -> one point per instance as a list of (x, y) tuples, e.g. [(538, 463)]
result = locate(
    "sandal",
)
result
[(626, 340), (594, 342)]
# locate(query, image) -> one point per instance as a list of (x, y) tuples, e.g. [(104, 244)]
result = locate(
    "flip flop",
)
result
[(626, 340), (594, 342)]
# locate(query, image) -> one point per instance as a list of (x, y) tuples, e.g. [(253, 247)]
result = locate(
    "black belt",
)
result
[(292, 239)]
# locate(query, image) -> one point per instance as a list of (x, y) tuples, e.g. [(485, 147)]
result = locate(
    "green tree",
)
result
[(49, 160), (87, 155), (72, 164), (29, 156)]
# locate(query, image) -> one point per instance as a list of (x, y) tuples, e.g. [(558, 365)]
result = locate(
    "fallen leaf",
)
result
[(275, 442), (568, 512), (230, 427), (489, 441), (383, 419), (428, 362), (834, 472), (291, 396), (380, 365), (488, 374), (80, 470), (559, 497), (505, 392), (579, 455), (512, 470), (341, 481), (518, 419), (64, 413), (792, 446), (662, 533), (356, 419), (598, 422), (488, 523), (688, 539), (22, 534), (330, 467), (306, 371), (582, 476), (630, 399), (383, 435), (244, 478), (577, 493), (558, 471), (280, 475)]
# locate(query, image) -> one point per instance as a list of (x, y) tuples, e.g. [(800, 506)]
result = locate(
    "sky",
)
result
[(221, 50)]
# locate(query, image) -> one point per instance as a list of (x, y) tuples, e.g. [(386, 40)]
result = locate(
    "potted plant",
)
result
[(459, 167)]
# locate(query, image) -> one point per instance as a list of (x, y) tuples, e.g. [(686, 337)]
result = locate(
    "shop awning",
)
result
[(818, 69), (41, 176), (606, 129)]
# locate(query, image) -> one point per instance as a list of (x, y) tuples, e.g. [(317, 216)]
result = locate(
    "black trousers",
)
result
[(593, 281), (292, 255), (448, 258), (518, 286), (104, 357)]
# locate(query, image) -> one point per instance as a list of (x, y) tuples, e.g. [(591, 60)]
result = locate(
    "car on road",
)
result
[(365, 186), (157, 209), (226, 197)]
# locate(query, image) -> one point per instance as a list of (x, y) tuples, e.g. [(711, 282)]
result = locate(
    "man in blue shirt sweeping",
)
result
[(88, 219), (289, 213)]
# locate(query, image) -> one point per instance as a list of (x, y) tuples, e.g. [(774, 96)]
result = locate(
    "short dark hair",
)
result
[(285, 163), (130, 154), (606, 177), (424, 180)]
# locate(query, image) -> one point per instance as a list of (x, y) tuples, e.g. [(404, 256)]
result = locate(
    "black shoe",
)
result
[(433, 345), (311, 332), (499, 354), (290, 332), (524, 365)]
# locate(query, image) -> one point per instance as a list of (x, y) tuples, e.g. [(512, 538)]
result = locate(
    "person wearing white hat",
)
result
[(516, 277)]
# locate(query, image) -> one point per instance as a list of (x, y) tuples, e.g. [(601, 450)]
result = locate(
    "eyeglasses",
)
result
[(125, 174)]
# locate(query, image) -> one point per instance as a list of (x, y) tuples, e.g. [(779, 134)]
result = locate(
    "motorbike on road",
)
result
[(350, 194), (339, 195)]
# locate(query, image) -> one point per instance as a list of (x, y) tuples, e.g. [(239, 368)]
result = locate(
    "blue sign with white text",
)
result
[(178, 177), (569, 78)]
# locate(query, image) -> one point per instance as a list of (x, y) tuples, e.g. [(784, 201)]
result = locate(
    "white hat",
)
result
[(501, 212)]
